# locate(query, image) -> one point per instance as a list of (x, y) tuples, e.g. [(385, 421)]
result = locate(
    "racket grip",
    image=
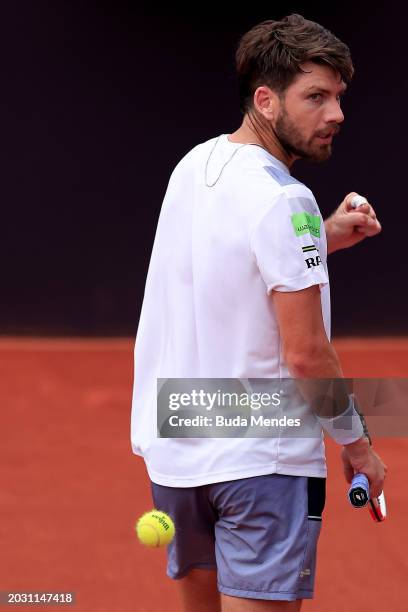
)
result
[(359, 492)]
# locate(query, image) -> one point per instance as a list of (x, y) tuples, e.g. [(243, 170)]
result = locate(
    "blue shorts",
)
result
[(259, 533)]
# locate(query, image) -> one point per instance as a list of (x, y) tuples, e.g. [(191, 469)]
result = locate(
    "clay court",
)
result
[(71, 488)]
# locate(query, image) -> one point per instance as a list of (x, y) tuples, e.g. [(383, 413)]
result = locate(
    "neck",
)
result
[(256, 130)]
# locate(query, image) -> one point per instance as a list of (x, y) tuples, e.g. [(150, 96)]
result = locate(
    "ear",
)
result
[(266, 102)]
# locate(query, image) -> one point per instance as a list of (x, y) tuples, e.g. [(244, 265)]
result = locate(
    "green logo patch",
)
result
[(305, 223)]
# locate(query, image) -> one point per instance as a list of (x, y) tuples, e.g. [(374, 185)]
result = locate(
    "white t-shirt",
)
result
[(207, 310)]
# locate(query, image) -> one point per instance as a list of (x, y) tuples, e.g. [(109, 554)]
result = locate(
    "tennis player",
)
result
[(238, 287)]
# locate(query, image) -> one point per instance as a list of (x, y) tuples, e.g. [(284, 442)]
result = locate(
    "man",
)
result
[(238, 288)]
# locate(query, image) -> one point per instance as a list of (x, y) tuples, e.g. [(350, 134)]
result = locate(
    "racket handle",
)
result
[(359, 492)]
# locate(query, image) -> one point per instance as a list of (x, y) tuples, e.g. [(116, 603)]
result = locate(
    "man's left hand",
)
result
[(347, 226)]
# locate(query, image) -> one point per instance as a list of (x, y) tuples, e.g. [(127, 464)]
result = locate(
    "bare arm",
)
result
[(309, 354), (306, 348)]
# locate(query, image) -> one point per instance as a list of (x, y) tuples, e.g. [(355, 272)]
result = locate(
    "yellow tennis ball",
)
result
[(155, 528)]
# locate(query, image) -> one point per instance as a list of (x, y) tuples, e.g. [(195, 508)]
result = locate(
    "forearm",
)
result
[(319, 379), (319, 361), (330, 236)]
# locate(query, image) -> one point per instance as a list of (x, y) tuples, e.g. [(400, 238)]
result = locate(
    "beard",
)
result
[(295, 144)]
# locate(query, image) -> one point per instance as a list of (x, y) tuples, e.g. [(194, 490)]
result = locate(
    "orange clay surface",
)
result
[(71, 489)]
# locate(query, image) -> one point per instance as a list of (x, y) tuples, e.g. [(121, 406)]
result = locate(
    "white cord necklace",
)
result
[(227, 162)]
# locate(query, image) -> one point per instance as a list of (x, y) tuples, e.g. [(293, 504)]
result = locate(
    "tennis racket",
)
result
[(359, 492)]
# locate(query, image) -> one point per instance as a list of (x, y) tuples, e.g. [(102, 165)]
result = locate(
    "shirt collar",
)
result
[(274, 160)]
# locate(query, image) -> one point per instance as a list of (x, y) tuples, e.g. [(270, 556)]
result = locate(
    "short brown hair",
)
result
[(271, 52)]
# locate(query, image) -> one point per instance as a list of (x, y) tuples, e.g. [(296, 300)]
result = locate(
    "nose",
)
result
[(334, 113)]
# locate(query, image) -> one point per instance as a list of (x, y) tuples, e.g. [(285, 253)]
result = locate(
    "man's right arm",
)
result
[(309, 355)]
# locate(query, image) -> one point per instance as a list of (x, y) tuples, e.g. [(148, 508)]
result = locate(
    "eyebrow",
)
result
[(323, 90)]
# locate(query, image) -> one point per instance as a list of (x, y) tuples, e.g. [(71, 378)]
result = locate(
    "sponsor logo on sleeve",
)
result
[(308, 248), (305, 223), (313, 261)]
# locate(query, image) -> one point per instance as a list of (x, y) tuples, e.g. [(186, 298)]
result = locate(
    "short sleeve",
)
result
[(289, 244)]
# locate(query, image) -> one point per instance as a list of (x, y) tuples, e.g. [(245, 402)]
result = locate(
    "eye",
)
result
[(315, 97)]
